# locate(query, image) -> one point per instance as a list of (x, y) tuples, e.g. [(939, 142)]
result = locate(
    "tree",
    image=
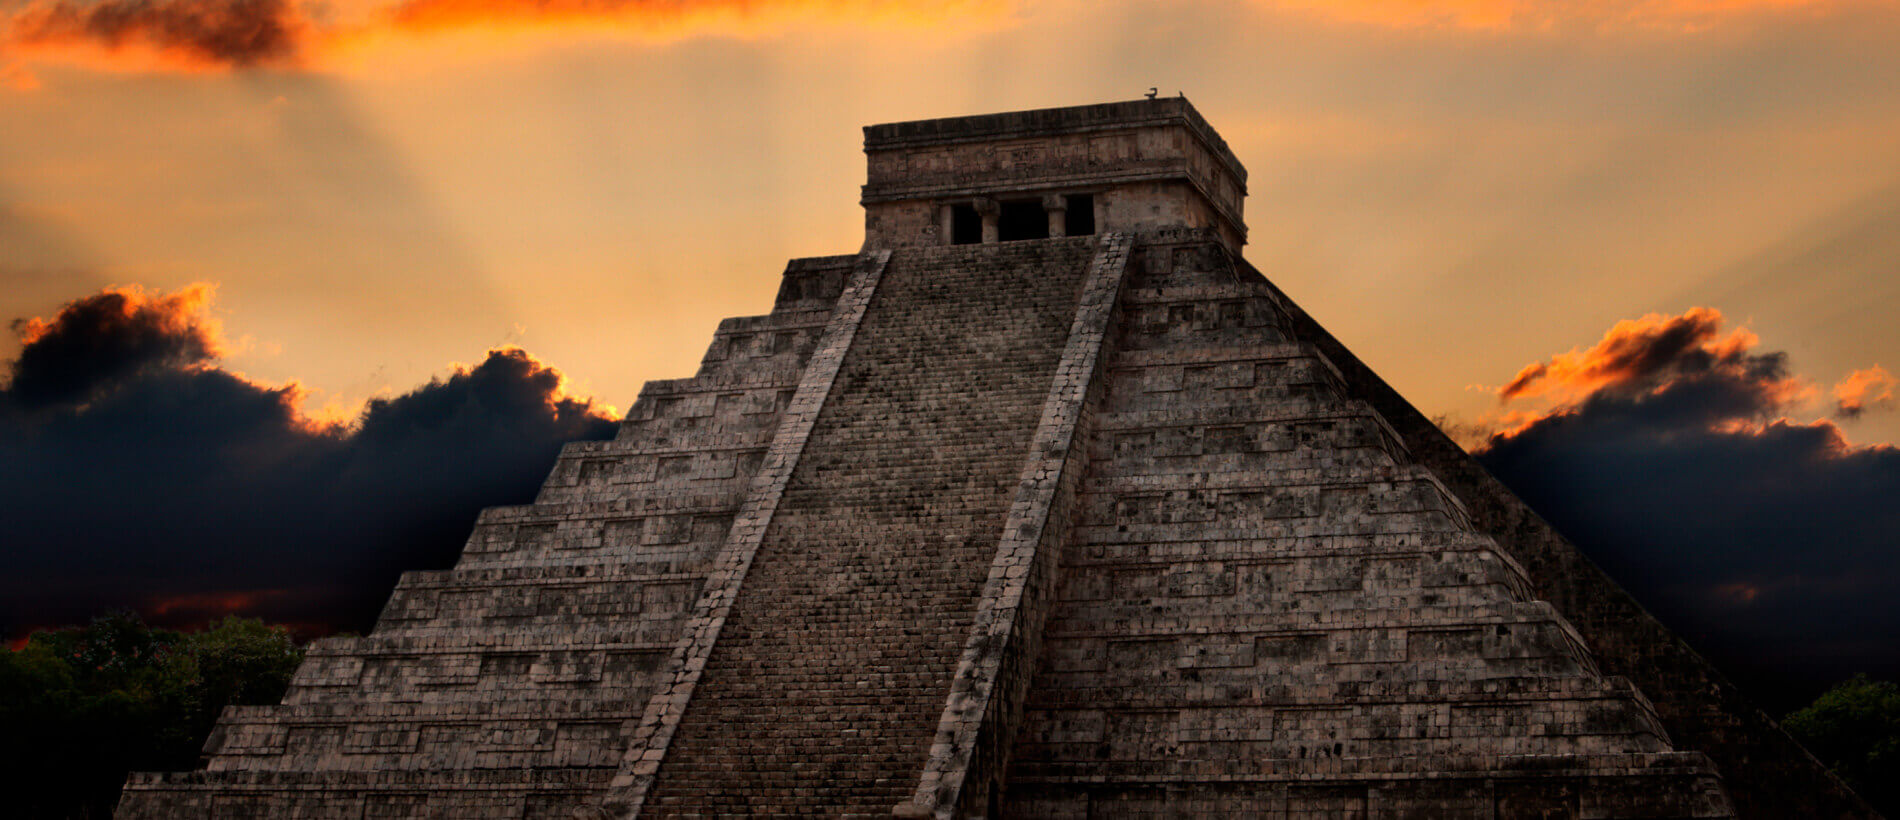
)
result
[(238, 661), (80, 707), (1854, 728)]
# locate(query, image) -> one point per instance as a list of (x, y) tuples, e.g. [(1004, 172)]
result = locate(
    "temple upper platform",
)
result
[(1135, 166)]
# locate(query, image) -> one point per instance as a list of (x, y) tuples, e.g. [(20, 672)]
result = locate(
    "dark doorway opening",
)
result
[(1022, 220), (1081, 215), (966, 227)]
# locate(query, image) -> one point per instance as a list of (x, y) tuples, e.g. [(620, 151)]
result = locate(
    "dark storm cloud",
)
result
[(192, 33), (1773, 545), (153, 478), (106, 338)]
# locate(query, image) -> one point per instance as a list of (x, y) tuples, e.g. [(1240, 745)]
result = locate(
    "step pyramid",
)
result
[(1045, 504)]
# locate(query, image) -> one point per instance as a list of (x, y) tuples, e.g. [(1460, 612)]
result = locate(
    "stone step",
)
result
[(858, 603)]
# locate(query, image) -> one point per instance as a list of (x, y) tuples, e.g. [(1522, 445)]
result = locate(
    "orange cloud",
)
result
[(184, 314), (220, 35), (1739, 594), (1681, 372), (668, 19), (210, 604), (1540, 15), (184, 35), (195, 611), (1634, 350), (101, 340), (1862, 390), (97, 342)]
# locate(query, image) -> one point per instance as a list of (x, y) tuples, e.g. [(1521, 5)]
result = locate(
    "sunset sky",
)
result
[(1472, 194)]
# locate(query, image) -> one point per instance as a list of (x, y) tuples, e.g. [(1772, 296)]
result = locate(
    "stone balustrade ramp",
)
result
[(824, 690), (504, 687)]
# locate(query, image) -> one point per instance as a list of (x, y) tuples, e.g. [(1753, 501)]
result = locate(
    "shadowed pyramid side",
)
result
[(1267, 606), (1765, 772), (505, 687)]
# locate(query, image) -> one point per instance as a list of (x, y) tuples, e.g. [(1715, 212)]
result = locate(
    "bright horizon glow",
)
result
[(603, 182)]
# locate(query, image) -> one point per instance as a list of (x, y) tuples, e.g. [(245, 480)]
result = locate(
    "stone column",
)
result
[(946, 224), (989, 209), (1057, 207)]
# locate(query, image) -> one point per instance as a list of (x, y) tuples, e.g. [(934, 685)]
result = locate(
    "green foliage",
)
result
[(80, 707), (1855, 729), (240, 661)]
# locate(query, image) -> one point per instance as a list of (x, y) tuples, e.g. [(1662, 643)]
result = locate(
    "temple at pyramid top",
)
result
[(1044, 504), (1052, 172)]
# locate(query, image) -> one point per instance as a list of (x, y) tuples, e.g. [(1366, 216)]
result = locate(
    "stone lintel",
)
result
[(1044, 122)]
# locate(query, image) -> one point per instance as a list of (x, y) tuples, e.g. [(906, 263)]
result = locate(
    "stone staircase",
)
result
[(504, 687), (824, 690)]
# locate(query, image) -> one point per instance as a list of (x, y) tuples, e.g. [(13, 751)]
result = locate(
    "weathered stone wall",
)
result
[(1266, 606), (1767, 774), (897, 224), (1146, 207), (503, 687), (1156, 160), (860, 597)]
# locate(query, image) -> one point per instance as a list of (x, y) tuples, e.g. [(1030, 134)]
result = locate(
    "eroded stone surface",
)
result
[(1267, 606), (506, 687)]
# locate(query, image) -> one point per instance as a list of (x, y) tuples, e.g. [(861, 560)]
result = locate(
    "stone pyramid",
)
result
[(1045, 504)]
